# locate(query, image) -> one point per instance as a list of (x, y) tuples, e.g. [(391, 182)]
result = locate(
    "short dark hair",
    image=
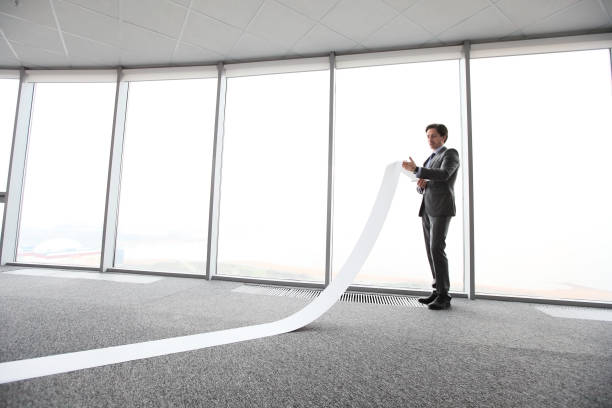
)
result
[(440, 128)]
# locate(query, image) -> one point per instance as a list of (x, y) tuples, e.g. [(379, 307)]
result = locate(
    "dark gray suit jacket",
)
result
[(439, 195)]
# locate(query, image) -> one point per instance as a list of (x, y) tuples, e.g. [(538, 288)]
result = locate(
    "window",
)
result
[(382, 113), (542, 195), (65, 182), (274, 181), (165, 182)]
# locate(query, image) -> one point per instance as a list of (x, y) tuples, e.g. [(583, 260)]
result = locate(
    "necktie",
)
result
[(428, 161)]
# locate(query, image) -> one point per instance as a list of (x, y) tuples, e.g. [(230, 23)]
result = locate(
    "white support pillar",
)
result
[(467, 173), (14, 191), (113, 185), (215, 178), (330, 170)]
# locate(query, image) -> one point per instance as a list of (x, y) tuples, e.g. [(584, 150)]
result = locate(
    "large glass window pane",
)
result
[(165, 182), (274, 179), (542, 194), (382, 113), (65, 182), (8, 104)]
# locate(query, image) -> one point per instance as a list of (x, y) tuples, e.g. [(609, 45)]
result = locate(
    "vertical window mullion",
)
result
[(330, 170), (114, 176), (215, 182), (467, 173), (14, 188)]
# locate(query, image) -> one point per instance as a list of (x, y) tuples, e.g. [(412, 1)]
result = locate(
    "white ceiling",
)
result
[(86, 33)]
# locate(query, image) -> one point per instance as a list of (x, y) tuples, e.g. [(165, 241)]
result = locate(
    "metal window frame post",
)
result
[(113, 186), (17, 168), (330, 170), (215, 178), (467, 173)]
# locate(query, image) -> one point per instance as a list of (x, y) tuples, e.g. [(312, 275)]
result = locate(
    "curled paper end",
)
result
[(409, 174)]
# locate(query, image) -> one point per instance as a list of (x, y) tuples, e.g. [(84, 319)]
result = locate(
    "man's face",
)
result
[(434, 139)]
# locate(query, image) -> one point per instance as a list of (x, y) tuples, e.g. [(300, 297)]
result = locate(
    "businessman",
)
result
[(436, 181)]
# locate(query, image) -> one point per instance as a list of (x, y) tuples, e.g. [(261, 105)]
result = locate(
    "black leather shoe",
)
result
[(440, 303), (429, 299)]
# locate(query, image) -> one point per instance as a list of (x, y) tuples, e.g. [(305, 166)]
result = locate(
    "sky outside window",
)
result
[(382, 113), (165, 180), (273, 210), (66, 174), (542, 194)]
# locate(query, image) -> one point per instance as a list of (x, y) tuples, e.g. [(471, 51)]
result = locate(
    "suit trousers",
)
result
[(434, 232)]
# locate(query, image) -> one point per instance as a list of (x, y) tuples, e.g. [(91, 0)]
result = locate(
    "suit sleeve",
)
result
[(450, 164)]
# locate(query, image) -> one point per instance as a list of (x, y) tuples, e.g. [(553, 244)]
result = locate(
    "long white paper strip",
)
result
[(63, 363)]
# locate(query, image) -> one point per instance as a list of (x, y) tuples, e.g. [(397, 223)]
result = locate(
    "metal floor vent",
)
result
[(306, 293)]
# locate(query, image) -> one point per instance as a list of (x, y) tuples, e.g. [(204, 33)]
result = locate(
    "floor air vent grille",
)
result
[(306, 293)]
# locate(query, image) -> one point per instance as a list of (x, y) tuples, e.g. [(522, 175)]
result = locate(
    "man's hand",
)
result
[(410, 166), (422, 183)]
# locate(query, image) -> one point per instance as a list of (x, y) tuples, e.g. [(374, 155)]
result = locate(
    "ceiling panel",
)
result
[(322, 38), (190, 54), (37, 57), (234, 12), (157, 15), (398, 32), (487, 24), (437, 16), (434, 42), (608, 6), (515, 35), (106, 7), (86, 23), (7, 58), (584, 15), (313, 9), (85, 52), (515, 9), (358, 48), (141, 41), (211, 34), (146, 32), (401, 5), (31, 34), (357, 19), (250, 46), (280, 23), (142, 59), (37, 11)]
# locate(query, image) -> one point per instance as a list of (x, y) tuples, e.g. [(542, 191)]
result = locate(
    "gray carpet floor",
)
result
[(478, 354)]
